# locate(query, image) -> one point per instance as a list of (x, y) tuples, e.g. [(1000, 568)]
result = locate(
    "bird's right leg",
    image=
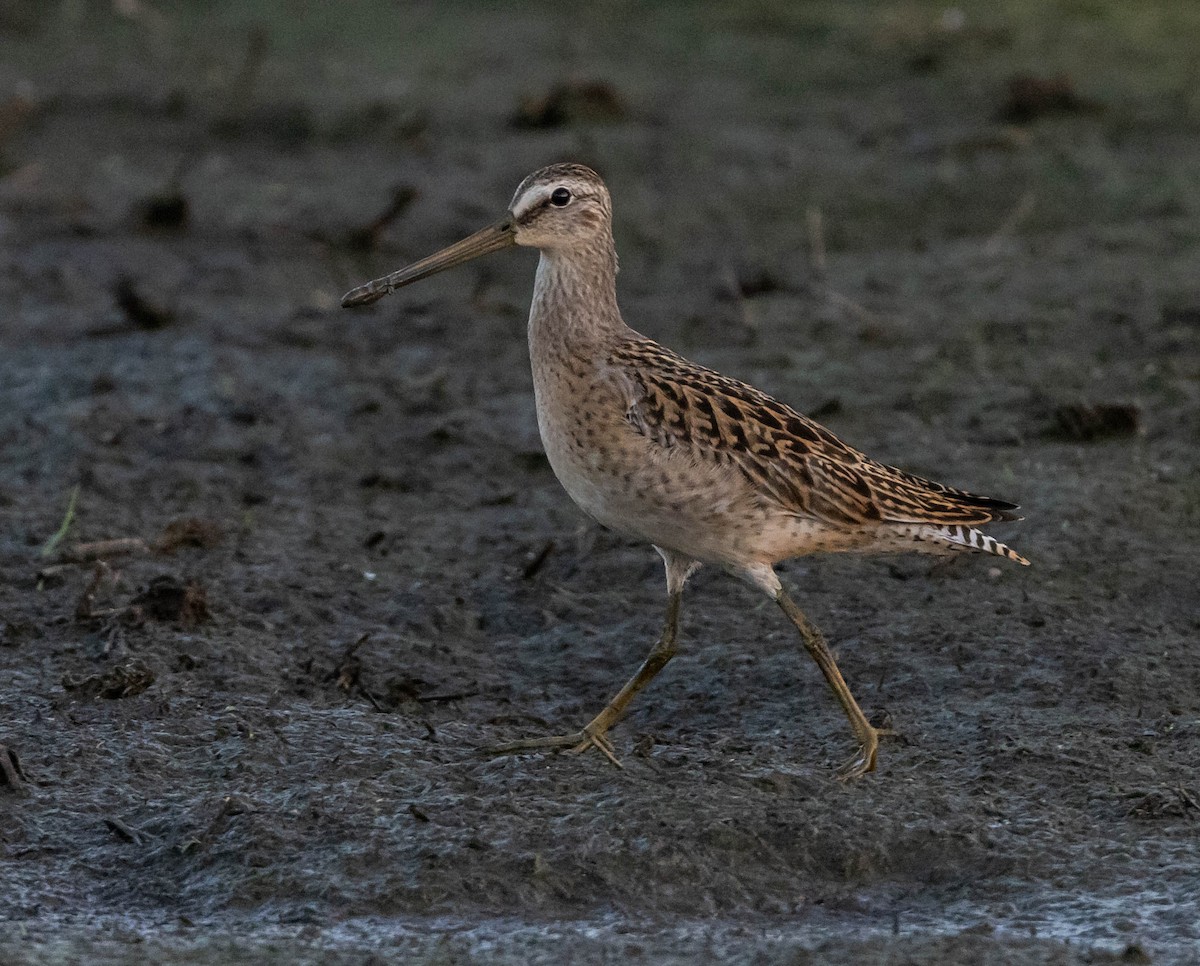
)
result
[(594, 733)]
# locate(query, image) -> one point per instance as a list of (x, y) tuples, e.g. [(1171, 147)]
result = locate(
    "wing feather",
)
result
[(791, 460)]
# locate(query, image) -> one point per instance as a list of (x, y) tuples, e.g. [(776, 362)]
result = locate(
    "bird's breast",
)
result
[(582, 427), (633, 485)]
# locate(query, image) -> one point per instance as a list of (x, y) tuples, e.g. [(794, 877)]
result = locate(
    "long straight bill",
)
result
[(490, 239)]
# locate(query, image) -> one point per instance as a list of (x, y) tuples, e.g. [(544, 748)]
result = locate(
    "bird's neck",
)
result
[(575, 301)]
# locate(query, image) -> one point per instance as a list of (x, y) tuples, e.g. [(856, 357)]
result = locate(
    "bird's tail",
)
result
[(959, 537)]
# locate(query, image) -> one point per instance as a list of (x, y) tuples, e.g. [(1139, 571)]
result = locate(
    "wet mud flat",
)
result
[(274, 576)]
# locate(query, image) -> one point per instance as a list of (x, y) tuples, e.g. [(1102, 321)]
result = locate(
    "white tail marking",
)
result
[(957, 536)]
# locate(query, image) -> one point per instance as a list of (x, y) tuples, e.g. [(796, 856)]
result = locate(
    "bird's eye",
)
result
[(560, 197)]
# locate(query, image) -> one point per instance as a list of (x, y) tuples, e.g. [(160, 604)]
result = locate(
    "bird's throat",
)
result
[(574, 301)]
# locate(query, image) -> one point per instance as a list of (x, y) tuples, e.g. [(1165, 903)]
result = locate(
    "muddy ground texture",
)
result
[(254, 728)]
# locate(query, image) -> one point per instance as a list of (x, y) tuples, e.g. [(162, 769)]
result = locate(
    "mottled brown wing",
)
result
[(790, 459)]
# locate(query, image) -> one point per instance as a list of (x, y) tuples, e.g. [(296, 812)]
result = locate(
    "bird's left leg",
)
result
[(814, 642), (866, 733)]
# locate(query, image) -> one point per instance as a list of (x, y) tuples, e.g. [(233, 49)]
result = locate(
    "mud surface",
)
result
[(255, 729)]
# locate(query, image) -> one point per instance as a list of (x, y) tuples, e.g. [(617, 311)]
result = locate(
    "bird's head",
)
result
[(561, 207), (556, 209)]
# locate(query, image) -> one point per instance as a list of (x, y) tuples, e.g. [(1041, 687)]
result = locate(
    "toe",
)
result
[(861, 763), (601, 743)]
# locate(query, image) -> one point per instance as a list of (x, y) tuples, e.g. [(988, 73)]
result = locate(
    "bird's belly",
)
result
[(635, 487)]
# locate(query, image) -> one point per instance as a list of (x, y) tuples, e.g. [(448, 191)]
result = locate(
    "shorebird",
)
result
[(707, 469)]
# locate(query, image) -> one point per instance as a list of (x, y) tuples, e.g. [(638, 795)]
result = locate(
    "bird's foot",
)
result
[(576, 744), (864, 761)]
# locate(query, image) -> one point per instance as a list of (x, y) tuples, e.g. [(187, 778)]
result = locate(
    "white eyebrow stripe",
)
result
[(533, 197)]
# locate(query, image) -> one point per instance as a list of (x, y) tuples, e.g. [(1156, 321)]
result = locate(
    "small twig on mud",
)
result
[(348, 671), (113, 639), (11, 772), (241, 87), (857, 308), (815, 222), (169, 209), (141, 311), (84, 607), (100, 549), (348, 674), (68, 518), (735, 289), (1021, 211), (519, 718), (375, 702), (367, 237), (188, 532), (51, 572), (126, 832), (819, 265), (442, 698)]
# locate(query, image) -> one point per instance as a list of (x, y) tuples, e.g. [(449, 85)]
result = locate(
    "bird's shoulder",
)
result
[(679, 402)]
